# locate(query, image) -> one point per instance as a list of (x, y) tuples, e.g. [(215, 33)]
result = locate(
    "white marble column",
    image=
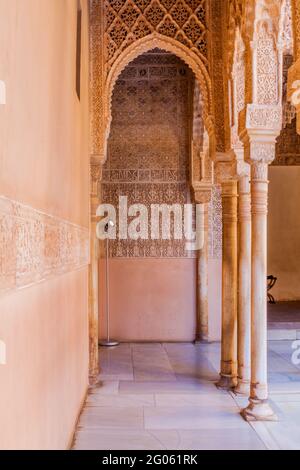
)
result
[(259, 408), (95, 171), (202, 281), (244, 286), (229, 286)]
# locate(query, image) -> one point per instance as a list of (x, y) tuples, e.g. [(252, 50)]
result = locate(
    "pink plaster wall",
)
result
[(284, 231), (45, 379), (151, 299), (43, 127), (44, 163), (155, 299)]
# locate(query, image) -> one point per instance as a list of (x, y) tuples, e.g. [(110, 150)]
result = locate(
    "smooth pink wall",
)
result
[(151, 299), (43, 127), (284, 231), (45, 379), (44, 164)]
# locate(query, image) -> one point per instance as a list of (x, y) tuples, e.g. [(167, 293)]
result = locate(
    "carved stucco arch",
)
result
[(173, 46)]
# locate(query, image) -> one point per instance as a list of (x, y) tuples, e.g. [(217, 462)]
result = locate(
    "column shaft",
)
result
[(95, 169), (244, 287), (259, 408), (202, 282), (229, 286), (93, 306)]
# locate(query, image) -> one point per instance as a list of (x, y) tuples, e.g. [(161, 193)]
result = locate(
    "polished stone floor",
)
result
[(163, 397)]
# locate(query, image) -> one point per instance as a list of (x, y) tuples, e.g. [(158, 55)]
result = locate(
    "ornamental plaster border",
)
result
[(36, 246)]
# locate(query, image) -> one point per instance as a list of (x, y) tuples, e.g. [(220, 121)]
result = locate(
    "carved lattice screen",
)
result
[(148, 148)]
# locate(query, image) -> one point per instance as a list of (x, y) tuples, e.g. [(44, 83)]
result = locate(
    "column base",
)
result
[(242, 388), (258, 410), (226, 382), (94, 380), (202, 340)]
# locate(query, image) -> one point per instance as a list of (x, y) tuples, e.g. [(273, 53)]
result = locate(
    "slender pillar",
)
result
[(229, 286), (244, 287), (202, 282), (259, 408), (95, 169)]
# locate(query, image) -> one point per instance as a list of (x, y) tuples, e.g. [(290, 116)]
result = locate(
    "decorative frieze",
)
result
[(215, 224), (264, 117), (36, 246), (120, 31), (127, 21), (261, 152)]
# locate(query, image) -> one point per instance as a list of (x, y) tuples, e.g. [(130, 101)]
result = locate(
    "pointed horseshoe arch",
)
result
[(171, 45)]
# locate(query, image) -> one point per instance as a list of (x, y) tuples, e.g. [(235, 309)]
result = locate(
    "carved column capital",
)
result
[(202, 192), (260, 152), (225, 167)]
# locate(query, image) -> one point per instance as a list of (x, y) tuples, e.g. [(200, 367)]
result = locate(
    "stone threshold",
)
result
[(280, 331)]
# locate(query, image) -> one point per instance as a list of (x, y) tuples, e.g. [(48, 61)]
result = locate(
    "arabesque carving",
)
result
[(237, 82), (262, 118), (36, 246), (220, 92), (148, 147), (127, 21), (130, 28)]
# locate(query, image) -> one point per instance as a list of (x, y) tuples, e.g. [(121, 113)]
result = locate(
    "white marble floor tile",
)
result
[(290, 411), (208, 439), (285, 350), (117, 401), (116, 363), (151, 363), (241, 401), (285, 397), (189, 362), (283, 435), (284, 387), (180, 387), (279, 364), (191, 417), (203, 400), (111, 417), (116, 439), (163, 396)]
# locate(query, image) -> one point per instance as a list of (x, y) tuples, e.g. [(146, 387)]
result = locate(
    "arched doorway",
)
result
[(152, 282), (103, 79)]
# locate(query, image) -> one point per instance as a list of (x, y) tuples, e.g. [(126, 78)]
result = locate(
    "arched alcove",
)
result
[(152, 282)]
